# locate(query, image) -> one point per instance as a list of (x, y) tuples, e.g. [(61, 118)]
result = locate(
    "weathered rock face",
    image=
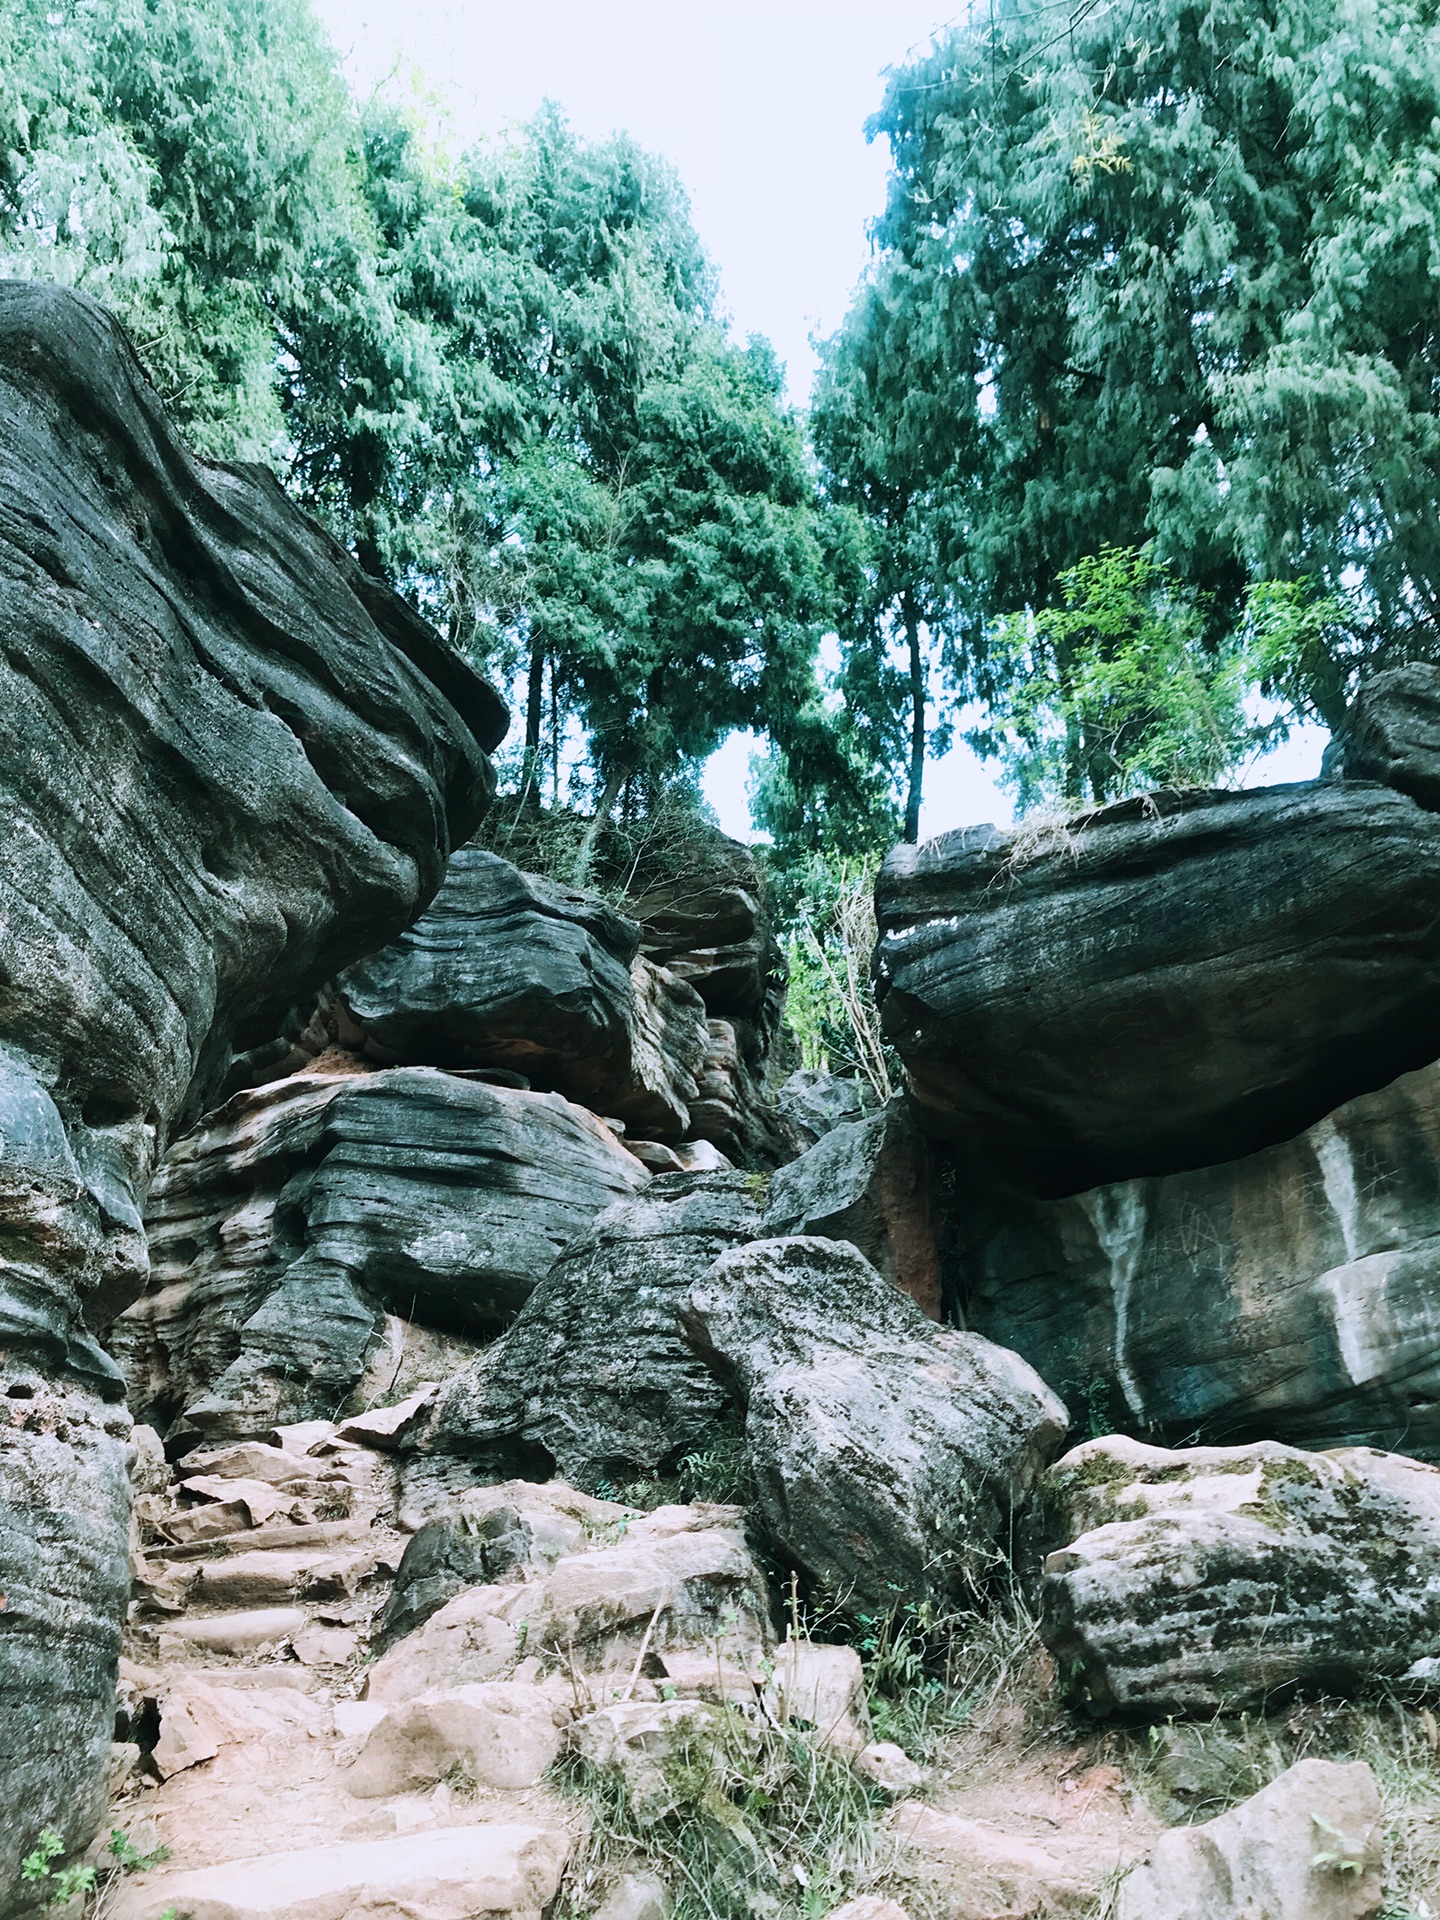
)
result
[(287, 1226), (228, 763), (707, 924), (510, 970), (1307, 1847), (811, 1104), (595, 1379), (887, 1453), (1175, 1563), (1392, 734), (1164, 983), (872, 1182), (1288, 1294)]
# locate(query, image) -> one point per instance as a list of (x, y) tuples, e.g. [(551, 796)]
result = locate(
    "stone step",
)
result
[(453, 1873), (271, 1576), (241, 1632), (331, 1534)]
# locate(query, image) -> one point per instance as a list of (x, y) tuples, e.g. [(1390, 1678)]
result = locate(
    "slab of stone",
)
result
[(1163, 983), (1213, 1579), (454, 1873), (500, 1734), (1307, 1847)]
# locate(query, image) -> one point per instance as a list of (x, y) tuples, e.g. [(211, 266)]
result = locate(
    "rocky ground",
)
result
[(568, 1704)]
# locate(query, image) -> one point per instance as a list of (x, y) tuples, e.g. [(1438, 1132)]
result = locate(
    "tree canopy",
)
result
[(499, 376), (1171, 276)]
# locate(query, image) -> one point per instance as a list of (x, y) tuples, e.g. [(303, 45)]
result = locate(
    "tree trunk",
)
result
[(917, 720), (534, 718), (584, 859)]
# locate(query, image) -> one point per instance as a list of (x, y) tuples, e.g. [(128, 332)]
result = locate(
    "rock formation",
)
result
[(705, 921), (507, 969), (1163, 983), (811, 1103), (1392, 734), (230, 762), (887, 1453), (595, 1379), (1307, 1847), (874, 1183), (301, 1213), (1290, 1294), (1216, 1578)]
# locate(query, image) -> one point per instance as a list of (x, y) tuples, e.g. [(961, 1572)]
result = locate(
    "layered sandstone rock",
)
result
[(302, 1213), (1216, 1578), (595, 1379), (1164, 983), (507, 969), (1289, 1294), (705, 921), (229, 762)]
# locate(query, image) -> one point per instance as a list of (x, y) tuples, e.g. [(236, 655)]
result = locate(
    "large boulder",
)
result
[(507, 969), (1163, 983), (229, 763), (1392, 734), (874, 1183), (1307, 1847), (595, 1379), (301, 1213), (1216, 1578), (888, 1454), (1289, 1294)]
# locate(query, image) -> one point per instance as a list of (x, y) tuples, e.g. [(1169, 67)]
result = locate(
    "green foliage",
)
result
[(499, 377), (1171, 276), (830, 1005), (1115, 690), (129, 1858), (60, 1885), (189, 163)]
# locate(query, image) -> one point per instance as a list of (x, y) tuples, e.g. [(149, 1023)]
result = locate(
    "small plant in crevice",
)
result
[(59, 1887)]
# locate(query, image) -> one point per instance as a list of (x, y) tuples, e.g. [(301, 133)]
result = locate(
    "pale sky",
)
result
[(762, 108)]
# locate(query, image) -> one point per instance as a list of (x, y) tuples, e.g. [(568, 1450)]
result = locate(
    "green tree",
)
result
[(1173, 275), (1115, 690), (866, 420), (190, 163)]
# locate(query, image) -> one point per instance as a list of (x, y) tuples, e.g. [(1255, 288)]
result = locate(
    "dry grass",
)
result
[(765, 1820), (1194, 1771)]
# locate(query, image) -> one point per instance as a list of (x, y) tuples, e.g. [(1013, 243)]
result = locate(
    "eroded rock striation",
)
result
[(1289, 1294), (302, 1213), (1163, 983), (1217, 1578), (595, 1380), (229, 763), (507, 969), (706, 922)]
